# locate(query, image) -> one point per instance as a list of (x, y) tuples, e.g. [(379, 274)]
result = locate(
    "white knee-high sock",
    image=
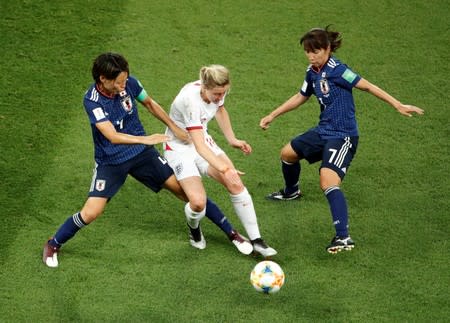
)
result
[(243, 206), (193, 218)]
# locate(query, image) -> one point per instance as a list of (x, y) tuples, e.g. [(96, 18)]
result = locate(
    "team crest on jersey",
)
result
[(126, 103), (324, 87), (100, 185)]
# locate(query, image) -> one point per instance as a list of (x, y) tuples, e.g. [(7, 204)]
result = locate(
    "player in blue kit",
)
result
[(122, 147), (335, 139)]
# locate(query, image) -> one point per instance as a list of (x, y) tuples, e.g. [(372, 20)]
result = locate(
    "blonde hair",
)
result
[(214, 76)]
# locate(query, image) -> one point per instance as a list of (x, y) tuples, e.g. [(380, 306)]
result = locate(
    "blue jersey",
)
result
[(332, 86), (121, 110)]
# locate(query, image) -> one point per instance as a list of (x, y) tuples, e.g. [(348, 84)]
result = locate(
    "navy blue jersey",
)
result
[(332, 86), (121, 110)]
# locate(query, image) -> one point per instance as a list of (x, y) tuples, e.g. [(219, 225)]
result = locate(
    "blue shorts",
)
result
[(149, 168), (336, 153)]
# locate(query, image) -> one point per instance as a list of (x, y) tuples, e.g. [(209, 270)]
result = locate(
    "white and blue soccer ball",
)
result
[(267, 277)]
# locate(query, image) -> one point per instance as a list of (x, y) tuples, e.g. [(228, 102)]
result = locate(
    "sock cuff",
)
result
[(287, 163), (187, 209), (78, 220), (236, 197), (331, 189)]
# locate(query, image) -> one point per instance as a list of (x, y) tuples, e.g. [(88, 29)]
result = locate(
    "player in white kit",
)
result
[(195, 105)]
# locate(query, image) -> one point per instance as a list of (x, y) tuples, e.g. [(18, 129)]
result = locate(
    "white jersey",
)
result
[(189, 111)]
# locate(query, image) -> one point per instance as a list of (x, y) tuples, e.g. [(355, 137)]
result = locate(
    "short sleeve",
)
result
[(345, 77), (93, 106), (307, 88)]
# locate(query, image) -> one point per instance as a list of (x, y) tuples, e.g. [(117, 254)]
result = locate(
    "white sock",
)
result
[(193, 218), (243, 206)]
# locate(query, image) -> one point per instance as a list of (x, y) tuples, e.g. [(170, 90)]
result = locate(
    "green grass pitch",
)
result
[(134, 264)]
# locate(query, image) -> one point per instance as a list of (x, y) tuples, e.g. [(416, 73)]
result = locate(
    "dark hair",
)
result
[(110, 65), (319, 38)]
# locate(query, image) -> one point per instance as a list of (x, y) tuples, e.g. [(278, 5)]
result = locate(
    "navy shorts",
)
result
[(335, 154), (149, 168)]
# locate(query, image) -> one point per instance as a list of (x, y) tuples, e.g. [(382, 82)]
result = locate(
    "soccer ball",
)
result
[(267, 277)]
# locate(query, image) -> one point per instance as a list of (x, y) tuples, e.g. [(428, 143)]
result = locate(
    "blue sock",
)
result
[(291, 174), (67, 230), (215, 215), (338, 207)]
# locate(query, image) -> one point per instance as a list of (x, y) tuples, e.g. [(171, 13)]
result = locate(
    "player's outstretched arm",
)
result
[(404, 109), (154, 108), (224, 122), (292, 103), (115, 137)]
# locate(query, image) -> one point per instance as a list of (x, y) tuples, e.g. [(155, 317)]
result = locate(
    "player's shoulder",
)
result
[(133, 79), (193, 86), (134, 83), (190, 89), (92, 94), (336, 67), (335, 64)]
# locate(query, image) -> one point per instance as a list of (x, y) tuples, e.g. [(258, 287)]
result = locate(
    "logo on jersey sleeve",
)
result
[(99, 114), (349, 75), (304, 86)]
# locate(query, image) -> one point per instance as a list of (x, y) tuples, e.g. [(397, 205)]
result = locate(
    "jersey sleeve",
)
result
[(307, 88), (141, 92), (141, 97), (136, 88), (93, 107), (345, 77), (192, 114)]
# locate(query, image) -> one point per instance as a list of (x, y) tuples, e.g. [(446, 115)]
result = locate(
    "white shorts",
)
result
[(188, 162)]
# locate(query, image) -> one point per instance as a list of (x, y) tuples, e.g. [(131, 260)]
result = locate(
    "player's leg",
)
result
[(195, 208), (216, 216), (213, 213), (337, 156), (243, 205), (106, 181), (187, 171), (93, 208), (290, 168), (307, 146), (198, 206)]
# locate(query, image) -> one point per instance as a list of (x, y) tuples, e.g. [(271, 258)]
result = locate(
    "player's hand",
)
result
[(242, 145), (265, 122), (181, 134), (154, 139), (407, 110)]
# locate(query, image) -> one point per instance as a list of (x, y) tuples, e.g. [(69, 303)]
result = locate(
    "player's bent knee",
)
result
[(197, 205), (235, 188), (329, 178), (90, 215), (193, 214), (288, 154)]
